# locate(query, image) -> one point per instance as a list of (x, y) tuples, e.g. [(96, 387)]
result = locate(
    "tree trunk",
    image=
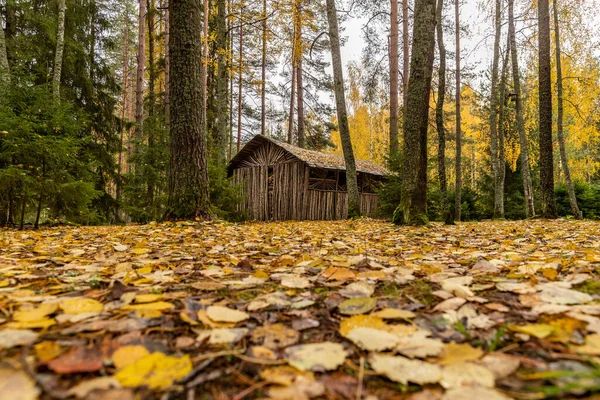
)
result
[(494, 110), (340, 102), (458, 156), (38, 214), (545, 104), (559, 121), (23, 204), (151, 96), (413, 205), (205, 13), (263, 83), (221, 84), (60, 47), (231, 76), (167, 65), (188, 178), (394, 75), (439, 116), (290, 138), (141, 61), (299, 81), (501, 169), (405, 71), (240, 81), (527, 186), (4, 67), (123, 110)]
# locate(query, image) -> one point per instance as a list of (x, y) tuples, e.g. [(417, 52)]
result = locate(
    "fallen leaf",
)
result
[(361, 321), (373, 339), (358, 289), (474, 393), (81, 305), (157, 371), (83, 389), (404, 370), (127, 355), (32, 314), (10, 338), (558, 295), (275, 336), (358, 305), (394, 313), (318, 357), (459, 353), (224, 314), (295, 282), (47, 351), (466, 374), (17, 385), (222, 335), (76, 360)]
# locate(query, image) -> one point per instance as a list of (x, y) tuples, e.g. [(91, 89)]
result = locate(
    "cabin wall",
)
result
[(331, 205), (272, 192)]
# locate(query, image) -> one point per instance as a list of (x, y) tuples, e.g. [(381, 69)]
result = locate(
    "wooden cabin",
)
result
[(284, 182)]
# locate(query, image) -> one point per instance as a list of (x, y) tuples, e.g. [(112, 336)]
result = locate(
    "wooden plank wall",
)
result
[(330, 205)]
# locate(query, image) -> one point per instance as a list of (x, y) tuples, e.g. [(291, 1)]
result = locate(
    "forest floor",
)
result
[(297, 310)]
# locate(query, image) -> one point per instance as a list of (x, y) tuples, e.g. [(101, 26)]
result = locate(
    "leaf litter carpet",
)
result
[(301, 310)]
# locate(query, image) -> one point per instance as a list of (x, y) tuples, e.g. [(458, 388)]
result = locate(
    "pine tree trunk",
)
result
[(559, 119), (141, 62), (60, 47), (290, 138), (394, 76), (546, 163), (439, 116), (413, 205), (240, 81), (501, 176), (494, 111), (167, 65), (221, 84), (231, 75), (458, 159), (406, 62), (123, 110), (299, 73), (263, 83), (188, 178), (4, 67), (342, 114), (527, 185), (151, 96), (205, 13)]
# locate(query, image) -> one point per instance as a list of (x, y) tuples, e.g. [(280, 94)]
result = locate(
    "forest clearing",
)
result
[(299, 310)]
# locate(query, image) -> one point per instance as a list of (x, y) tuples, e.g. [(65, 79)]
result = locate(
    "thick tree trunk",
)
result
[(340, 102), (60, 47), (545, 117), (141, 62), (263, 82), (439, 116), (406, 62), (394, 76), (240, 82), (290, 136), (413, 205), (559, 119), (299, 73), (458, 159), (188, 178), (527, 185), (498, 196), (501, 175)]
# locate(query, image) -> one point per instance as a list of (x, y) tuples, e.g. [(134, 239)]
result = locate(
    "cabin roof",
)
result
[(312, 158)]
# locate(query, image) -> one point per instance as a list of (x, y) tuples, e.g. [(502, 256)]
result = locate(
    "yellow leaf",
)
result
[(591, 346), (550, 273), (26, 314), (261, 275), (540, 331), (358, 305), (39, 324), (148, 314), (458, 353), (157, 371), (185, 318), (47, 350), (144, 270), (394, 313), (127, 355), (81, 305), (158, 306), (139, 251), (147, 298), (4, 283), (361, 321)]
